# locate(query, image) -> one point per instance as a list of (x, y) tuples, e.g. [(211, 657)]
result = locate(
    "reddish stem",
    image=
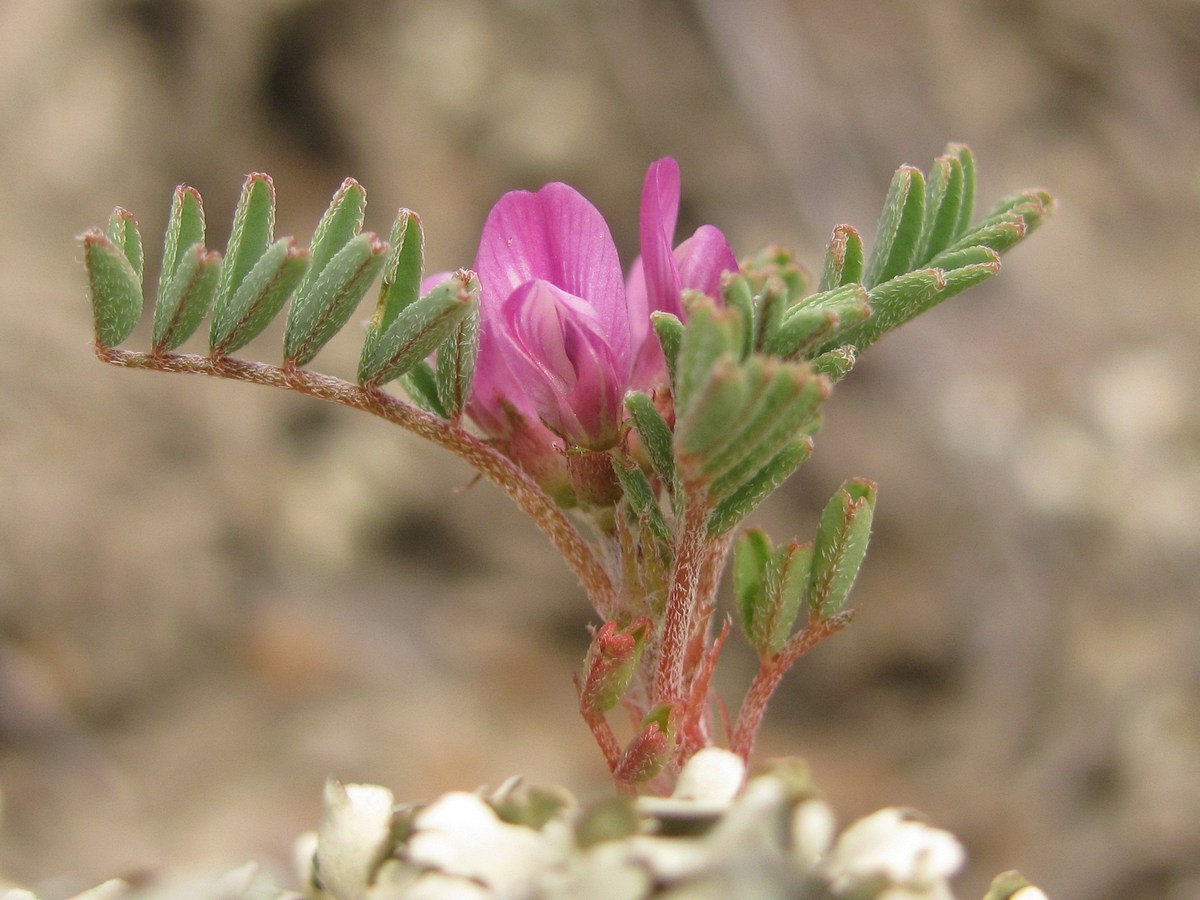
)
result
[(690, 556), (771, 673), (500, 470), (597, 722), (694, 730)]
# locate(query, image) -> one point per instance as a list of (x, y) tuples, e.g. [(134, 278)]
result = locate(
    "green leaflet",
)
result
[(185, 302), (123, 232), (738, 294), (709, 335), (817, 320), (417, 330), (892, 303), (403, 270), (655, 435), (669, 331), (770, 389), (1006, 224), (943, 203), (770, 585), (779, 263), (340, 223), (751, 557), (901, 299), (185, 229), (253, 228), (900, 225), (456, 358), (999, 233), (784, 593), (841, 545), (420, 383), (844, 260), (966, 209), (343, 265), (330, 299), (730, 511), (771, 306), (835, 364), (712, 413), (259, 297), (793, 414), (116, 289), (640, 496)]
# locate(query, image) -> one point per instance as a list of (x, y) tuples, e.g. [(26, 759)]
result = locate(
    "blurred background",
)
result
[(213, 596)]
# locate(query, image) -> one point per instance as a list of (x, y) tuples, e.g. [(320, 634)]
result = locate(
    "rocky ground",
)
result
[(213, 596)]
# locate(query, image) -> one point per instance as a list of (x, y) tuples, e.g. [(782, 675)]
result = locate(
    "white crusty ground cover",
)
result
[(718, 835)]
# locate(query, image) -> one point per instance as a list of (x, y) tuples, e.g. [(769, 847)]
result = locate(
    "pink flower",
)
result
[(560, 331)]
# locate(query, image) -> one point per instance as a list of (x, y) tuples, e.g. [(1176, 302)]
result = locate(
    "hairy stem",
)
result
[(769, 675), (691, 551), (496, 467)]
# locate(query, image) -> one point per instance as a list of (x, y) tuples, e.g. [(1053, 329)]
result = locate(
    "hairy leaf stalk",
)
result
[(497, 468)]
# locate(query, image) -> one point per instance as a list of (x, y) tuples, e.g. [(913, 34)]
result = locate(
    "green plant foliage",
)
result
[(420, 383), (456, 358), (252, 233), (777, 262), (818, 320), (789, 410), (669, 331), (185, 229), (841, 546), (844, 260), (943, 203), (185, 302), (343, 266), (403, 271), (655, 435), (639, 494), (116, 289), (259, 296), (711, 333), (323, 305), (417, 330), (123, 232), (189, 277), (751, 557), (730, 512), (770, 585), (899, 233), (340, 224), (835, 364), (738, 294)]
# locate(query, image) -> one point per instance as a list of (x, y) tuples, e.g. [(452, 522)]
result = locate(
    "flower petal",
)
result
[(660, 210), (702, 259), (556, 236), (558, 355), (638, 304)]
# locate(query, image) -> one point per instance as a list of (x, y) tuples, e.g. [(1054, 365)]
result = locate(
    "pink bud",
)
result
[(610, 664), (648, 753)]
